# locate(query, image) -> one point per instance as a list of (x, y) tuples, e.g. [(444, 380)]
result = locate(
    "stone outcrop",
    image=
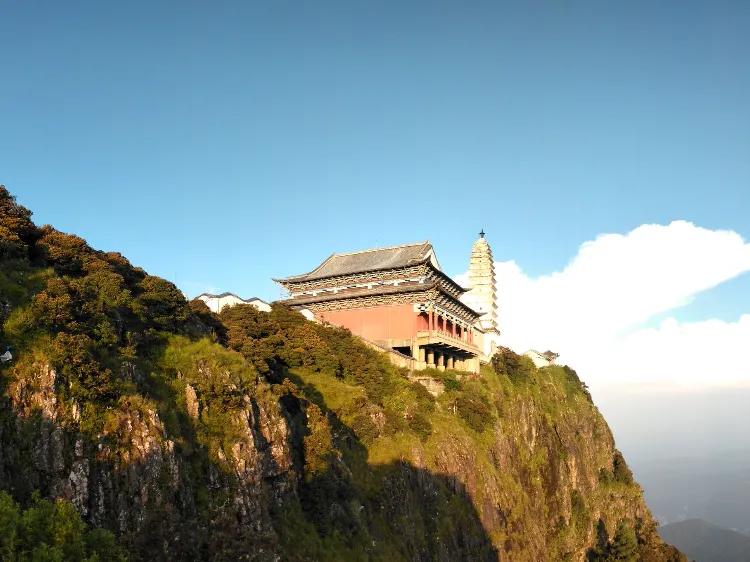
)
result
[(135, 480), (535, 487), (261, 436)]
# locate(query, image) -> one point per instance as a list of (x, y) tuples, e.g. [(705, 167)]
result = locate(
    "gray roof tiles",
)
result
[(227, 294), (301, 300), (367, 260), (222, 295)]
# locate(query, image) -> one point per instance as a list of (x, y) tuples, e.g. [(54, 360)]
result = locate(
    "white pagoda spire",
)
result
[(482, 295)]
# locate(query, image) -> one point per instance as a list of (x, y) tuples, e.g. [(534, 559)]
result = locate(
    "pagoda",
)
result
[(397, 298), (482, 293)]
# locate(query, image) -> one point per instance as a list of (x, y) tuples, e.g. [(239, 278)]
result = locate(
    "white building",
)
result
[(541, 359), (217, 302)]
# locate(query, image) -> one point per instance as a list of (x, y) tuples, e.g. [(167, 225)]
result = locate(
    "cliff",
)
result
[(262, 436)]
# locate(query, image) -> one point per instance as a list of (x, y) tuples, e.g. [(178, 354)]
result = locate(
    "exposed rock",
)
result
[(35, 391), (191, 401), (527, 484)]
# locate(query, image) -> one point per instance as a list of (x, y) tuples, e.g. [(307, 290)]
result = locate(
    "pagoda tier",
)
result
[(482, 294), (397, 298)]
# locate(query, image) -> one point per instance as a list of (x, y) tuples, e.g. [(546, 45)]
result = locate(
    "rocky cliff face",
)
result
[(262, 436), (136, 479), (538, 479), (532, 486)]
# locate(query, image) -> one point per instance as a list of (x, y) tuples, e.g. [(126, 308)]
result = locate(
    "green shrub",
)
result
[(420, 424), (281, 339), (624, 547), (474, 410), (449, 377), (48, 531), (580, 514), (161, 304), (17, 232), (575, 383), (451, 384), (319, 450), (516, 367), (620, 469), (364, 428), (425, 402), (98, 310)]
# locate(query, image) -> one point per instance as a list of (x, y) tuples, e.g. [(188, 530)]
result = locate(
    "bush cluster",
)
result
[(622, 548), (284, 339), (17, 231), (619, 473), (516, 367), (620, 469), (474, 409), (575, 383), (53, 532), (95, 310)]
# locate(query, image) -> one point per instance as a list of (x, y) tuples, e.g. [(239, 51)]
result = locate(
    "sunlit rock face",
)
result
[(137, 479), (534, 485), (262, 436)]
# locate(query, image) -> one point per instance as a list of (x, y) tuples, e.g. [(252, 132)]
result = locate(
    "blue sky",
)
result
[(220, 144)]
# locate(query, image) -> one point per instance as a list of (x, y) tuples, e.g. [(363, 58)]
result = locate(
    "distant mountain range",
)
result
[(713, 488), (704, 542)]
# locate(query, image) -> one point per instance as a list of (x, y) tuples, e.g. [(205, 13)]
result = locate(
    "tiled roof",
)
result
[(222, 295), (302, 300), (367, 260)]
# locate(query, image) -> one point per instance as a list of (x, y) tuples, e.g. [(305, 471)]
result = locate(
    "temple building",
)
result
[(482, 294), (399, 299)]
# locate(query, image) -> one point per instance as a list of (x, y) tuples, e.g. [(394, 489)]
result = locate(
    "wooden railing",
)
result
[(448, 337)]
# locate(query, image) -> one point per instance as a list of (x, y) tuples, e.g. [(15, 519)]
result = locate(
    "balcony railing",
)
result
[(446, 337)]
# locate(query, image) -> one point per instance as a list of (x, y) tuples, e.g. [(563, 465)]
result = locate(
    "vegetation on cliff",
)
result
[(53, 532), (254, 435)]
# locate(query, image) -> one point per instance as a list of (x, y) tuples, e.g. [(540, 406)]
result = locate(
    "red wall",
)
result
[(376, 323)]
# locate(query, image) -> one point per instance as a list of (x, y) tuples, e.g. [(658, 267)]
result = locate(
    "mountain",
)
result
[(700, 488), (703, 542), (263, 436), (705, 472)]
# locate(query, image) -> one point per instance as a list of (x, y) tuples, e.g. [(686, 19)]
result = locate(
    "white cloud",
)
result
[(594, 311), (687, 355)]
